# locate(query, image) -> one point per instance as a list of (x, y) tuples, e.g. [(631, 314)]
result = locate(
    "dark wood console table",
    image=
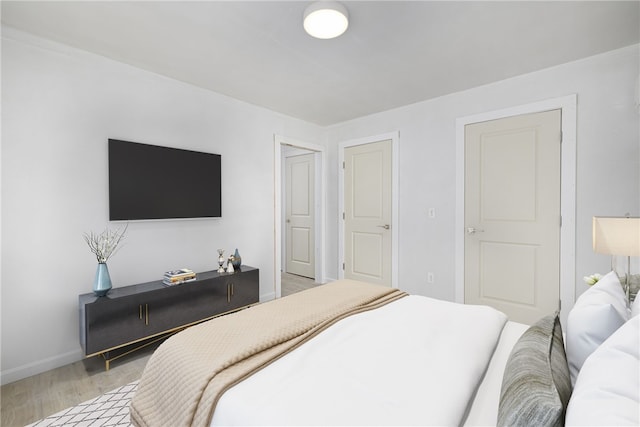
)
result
[(131, 317)]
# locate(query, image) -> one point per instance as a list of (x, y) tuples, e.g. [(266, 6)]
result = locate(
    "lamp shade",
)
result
[(325, 19), (616, 236)]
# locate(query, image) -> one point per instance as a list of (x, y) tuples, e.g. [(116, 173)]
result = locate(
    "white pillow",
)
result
[(597, 313), (635, 307), (607, 391)]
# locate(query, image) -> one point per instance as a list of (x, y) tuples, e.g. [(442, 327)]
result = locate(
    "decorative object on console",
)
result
[(237, 260), (178, 277), (220, 260), (230, 265), (619, 237), (102, 281), (104, 246)]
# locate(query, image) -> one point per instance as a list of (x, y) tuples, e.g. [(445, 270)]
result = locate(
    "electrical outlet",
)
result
[(430, 278), (431, 212)]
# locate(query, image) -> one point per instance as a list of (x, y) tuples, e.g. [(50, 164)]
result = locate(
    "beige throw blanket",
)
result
[(186, 376)]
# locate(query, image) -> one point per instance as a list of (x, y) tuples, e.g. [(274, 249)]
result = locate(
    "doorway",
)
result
[(368, 206), (305, 214)]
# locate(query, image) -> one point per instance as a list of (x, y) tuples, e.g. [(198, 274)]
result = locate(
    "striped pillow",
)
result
[(536, 385)]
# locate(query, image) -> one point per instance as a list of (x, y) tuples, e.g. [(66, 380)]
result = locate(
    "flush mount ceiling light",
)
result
[(326, 19)]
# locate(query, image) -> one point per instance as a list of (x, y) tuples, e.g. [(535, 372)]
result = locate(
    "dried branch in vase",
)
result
[(104, 245)]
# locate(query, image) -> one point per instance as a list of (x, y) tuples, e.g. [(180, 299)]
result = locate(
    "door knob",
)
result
[(386, 226), (473, 230)]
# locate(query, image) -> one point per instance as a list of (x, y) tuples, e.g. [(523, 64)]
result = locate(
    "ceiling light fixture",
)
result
[(326, 19)]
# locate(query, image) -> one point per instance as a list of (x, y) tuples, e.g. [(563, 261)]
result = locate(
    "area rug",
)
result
[(110, 409)]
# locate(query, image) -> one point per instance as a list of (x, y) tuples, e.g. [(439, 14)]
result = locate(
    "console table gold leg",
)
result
[(108, 358), (107, 361)]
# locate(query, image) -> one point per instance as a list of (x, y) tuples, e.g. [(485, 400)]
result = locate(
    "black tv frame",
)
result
[(153, 182)]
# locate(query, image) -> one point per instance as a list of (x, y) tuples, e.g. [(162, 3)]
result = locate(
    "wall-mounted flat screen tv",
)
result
[(153, 182)]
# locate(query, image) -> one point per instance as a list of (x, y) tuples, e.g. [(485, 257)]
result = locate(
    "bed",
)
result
[(350, 353)]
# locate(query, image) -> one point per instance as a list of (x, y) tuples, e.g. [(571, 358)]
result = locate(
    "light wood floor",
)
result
[(292, 283), (31, 399)]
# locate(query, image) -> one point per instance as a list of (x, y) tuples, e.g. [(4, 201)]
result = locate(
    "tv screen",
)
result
[(153, 182)]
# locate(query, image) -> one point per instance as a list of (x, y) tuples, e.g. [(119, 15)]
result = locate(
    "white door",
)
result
[(299, 215), (512, 215), (367, 216)]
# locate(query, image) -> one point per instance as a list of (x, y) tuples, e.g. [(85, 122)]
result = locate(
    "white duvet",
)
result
[(416, 361)]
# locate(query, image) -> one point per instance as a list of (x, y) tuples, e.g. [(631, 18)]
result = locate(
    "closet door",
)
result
[(512, 214)]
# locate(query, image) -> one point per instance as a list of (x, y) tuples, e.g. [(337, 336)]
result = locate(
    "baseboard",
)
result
[(267, 297), (40, 366)]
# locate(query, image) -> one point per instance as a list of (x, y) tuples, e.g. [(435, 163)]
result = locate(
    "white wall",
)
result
[(608, 155), (59, 107)]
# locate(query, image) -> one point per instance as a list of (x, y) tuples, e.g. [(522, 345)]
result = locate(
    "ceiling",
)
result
[(394, 53)]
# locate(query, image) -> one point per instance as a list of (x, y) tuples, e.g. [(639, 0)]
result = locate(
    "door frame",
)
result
[(568, 106), (320, 203), (395, 138)]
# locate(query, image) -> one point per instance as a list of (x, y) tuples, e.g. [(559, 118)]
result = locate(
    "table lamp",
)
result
[(618, 236)]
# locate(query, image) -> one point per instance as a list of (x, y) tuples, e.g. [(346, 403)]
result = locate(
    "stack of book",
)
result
[(178, 277)]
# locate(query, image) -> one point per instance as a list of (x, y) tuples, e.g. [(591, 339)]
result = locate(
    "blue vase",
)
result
[(102, 282), (237, 260)]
